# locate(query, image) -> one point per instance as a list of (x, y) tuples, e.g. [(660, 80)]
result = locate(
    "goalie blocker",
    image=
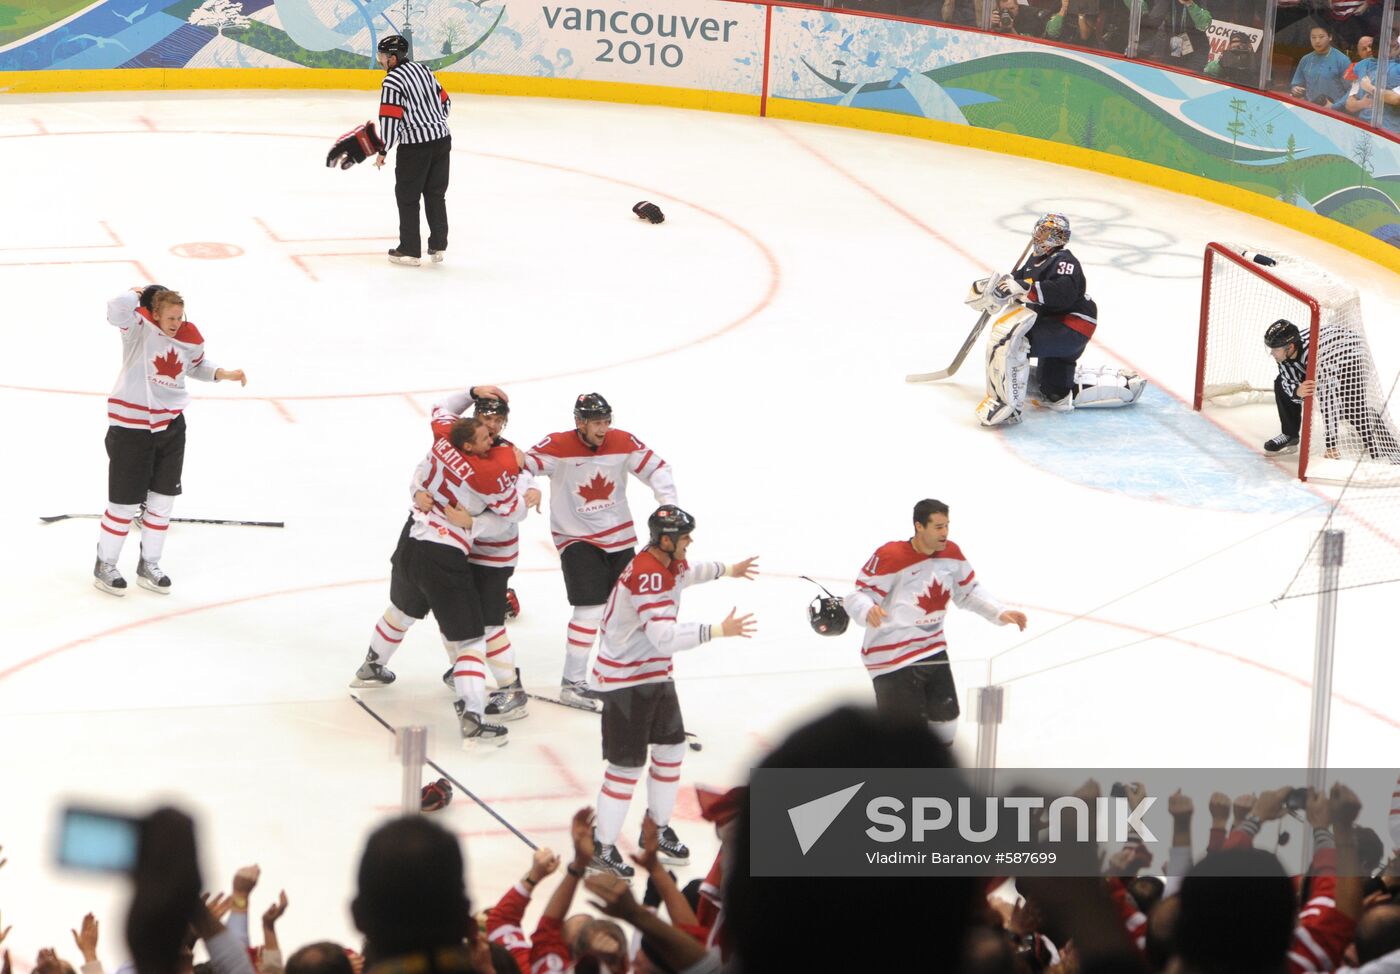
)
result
[(1043, 311)]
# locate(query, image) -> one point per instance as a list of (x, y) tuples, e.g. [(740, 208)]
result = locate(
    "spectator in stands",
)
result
[(770, 921), (1236, 63), (1318, 78), (412, 903), (1362, 98), (1174, 32), (1378, 938), (1351, 19), (1007, 18), (320, 958)]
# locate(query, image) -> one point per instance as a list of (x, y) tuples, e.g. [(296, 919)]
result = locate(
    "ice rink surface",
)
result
[(758, 340)]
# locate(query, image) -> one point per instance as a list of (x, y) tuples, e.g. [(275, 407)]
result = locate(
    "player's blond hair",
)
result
[(163, 298)]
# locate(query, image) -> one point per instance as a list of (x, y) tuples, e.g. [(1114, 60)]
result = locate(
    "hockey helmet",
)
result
[(148, 294), (490, 406), (1282, 333), (670, 521), (827, 616), (1051, 233), (590, 405), (395, 45)]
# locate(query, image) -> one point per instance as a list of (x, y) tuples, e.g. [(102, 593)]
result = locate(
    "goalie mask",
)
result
[(1051, 233), (827, 616)]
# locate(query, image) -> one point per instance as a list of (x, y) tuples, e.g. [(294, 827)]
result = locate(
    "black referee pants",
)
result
[(1290, 410), (421, 170)]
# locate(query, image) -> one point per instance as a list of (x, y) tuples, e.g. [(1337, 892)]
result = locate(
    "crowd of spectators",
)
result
[(1323, 50), (1232, 910)]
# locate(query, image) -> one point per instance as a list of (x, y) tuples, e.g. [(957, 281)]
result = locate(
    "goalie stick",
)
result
[(967, 345), (177, 520), (692, 741), (441, 771)]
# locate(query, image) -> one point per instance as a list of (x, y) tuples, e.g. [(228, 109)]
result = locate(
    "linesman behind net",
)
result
[(413, 109), (1340, 387)]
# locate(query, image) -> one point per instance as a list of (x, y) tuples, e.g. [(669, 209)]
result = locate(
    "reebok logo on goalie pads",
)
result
[(355, 146)]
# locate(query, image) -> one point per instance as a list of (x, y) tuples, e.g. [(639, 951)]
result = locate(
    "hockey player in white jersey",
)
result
[(453, 485), (588, 467), (495, 545), (900, 598), (641, 631), (146, 428), (1042, 311)]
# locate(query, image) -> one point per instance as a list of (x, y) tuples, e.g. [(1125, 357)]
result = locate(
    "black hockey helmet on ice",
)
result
[(490, 406), (395, 45), (590, 405), (827, 616), (668, 520), (1281, 333)]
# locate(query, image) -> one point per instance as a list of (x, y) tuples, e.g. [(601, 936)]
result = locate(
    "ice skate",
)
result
[(577, 694), (476, 731), (372, 673), (669, 848), (395, 257), (436, 255), (606, 859), (108, 579), (508, 703), (151, 578), (1283, 443)]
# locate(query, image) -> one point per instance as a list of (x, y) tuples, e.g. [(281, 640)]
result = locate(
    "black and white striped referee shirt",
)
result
[(413, 106)]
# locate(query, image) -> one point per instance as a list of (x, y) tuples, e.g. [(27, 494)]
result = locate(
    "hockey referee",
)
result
[(413, 109)]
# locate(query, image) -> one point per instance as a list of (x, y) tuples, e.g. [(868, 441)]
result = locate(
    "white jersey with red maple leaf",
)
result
[(914, 591), (150, 391), (477, 484), (495, 539), (640, 631), (588, 496)]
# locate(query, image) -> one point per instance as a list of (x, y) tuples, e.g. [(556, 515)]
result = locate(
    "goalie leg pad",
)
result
[(1103, 387), (1008, 368)]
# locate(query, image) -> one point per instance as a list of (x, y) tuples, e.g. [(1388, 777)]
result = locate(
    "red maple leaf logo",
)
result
[(169, 364), (935, 599), (597, 489)]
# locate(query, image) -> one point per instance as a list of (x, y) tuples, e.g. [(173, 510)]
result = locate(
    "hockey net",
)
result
[(1347, 433)]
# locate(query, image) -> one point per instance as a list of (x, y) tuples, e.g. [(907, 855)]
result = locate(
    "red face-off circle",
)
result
[(206, 250)]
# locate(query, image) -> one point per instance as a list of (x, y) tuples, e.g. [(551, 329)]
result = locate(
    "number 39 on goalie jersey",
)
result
[(640, 631), (1056, 288), (913, 589)]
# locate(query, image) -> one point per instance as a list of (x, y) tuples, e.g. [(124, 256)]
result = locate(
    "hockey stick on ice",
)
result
[(692, 740), (177, 520), (967, 345), (440, 770)]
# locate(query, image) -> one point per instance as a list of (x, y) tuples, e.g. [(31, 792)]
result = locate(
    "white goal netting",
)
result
[(1347, 432)]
